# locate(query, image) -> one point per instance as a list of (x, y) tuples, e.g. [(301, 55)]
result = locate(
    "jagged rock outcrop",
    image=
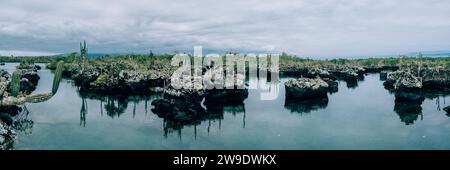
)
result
[(347, 73), (7, 136), (408, 92), (332, 85), (434, 78), (293, 71), (402, 80), (194, 86), (6, 118), (306, 88), (84, 78), (4, 74), (188, 102), (12, 110), (185, 86), (322, 73), (98, 80), (11, 97), (437, 78), (29, 77)]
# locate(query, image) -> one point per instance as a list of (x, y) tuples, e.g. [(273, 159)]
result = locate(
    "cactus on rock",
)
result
[(83, 53), (58, 76), (15, 84), (17, 99)]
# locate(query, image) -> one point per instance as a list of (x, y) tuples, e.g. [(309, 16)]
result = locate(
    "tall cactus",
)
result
[(15, 84), (58, 76), (83, 53)]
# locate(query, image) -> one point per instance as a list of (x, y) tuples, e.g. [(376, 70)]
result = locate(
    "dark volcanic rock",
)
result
[(6, 118), (224, 96), (317, 72), (403, 80), (306, 88), (27, 86), (377, 69), (294, 72), (447, 109), (124, 82), (437, 79), (7, 136), (389, 84), (346, 76), (84, 79), (436, 85), (383, 75), (33, 77), (372, 69), (4, 74), (12, 110), (216, 111), (69, 72), (352, 83), (332, 85), (29, 80)]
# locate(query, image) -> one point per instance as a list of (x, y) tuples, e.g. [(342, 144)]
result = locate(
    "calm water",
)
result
[(361, 117)]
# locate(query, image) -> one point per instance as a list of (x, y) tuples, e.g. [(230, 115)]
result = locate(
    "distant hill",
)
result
[(441, 53), (431, 53), (89, 55)]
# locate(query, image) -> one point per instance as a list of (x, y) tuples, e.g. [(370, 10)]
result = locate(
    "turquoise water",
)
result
[(361, 117)]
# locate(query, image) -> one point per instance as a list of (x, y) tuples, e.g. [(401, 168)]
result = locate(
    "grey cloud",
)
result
[(306, 27)]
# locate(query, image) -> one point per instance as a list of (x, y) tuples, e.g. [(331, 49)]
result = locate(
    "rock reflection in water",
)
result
[(408, 112), (20, 122), (305, 106), (178, 113), (352, 84), (408, 105), (185, 111), (114, 106)]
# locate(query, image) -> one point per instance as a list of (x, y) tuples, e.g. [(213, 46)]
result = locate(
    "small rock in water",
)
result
[(447, 109)]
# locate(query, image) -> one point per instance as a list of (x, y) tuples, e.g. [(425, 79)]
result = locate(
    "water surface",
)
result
[(360, 117)]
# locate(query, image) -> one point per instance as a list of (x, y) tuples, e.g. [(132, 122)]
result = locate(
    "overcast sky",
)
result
[(302, 27)]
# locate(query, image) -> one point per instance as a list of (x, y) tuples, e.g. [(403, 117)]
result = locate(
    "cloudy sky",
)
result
[(302, 27)]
